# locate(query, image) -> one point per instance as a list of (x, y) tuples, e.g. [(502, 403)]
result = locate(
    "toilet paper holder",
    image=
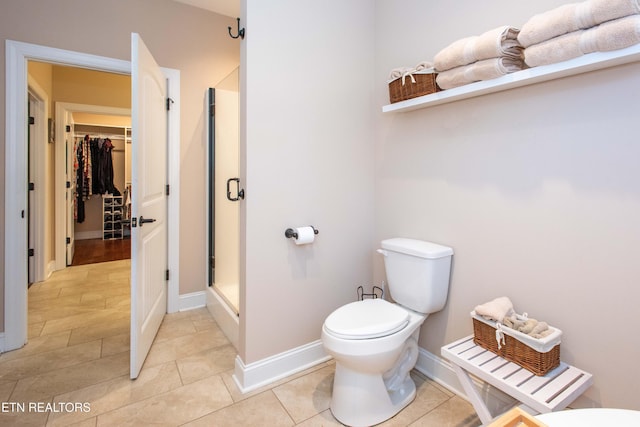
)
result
[(290, 232)]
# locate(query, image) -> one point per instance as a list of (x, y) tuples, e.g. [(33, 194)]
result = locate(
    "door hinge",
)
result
[(166, 274), (212, 110), (68, 240), (169, 102), (167, 189), (68, 184), (32, 186), (32, 120), (67, 128), (32, 252)]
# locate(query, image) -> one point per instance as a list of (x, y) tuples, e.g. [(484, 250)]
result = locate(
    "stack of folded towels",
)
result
[(487, 56), (501, 310), (576, 29)]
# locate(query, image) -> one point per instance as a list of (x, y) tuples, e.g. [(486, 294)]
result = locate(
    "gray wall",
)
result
[(537, 189), (308, 147)]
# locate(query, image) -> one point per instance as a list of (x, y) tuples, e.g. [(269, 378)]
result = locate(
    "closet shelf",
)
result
[(113, 213), (590, 62)]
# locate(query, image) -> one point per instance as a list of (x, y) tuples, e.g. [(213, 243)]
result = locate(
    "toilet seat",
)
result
[(371, 318)]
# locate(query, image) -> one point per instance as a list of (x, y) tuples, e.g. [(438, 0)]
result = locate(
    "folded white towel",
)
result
[(499, 42), (572, 17), (496, 309), (396, 73), (611, 35), (422, 67), (558, 49), (478, 71)]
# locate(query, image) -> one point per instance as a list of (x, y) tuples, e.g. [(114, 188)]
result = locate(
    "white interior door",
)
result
[(69, 138), (148, 201)]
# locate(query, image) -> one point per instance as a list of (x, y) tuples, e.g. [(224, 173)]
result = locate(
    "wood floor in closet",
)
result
[(91, 251)]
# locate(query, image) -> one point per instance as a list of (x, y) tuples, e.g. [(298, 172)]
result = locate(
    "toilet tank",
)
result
[(417, 273)]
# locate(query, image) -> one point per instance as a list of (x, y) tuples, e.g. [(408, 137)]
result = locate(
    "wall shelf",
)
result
[(590, 62)]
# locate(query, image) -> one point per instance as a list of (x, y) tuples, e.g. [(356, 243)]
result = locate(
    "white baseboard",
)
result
[(257, 374), (441, 371), (2, 347), (85, 235), (254, 375), (192, 301)]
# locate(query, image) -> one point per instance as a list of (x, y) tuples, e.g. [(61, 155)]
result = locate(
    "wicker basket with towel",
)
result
[(408, 83), (522, 340)]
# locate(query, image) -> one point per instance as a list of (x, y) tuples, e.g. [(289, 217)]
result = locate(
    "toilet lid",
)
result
[(370, 318)]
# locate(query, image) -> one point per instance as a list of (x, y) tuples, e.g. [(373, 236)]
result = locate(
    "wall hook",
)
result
[(240, 32)]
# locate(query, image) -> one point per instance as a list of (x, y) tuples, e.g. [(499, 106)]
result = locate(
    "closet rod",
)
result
[(100, 135), (93, 125)]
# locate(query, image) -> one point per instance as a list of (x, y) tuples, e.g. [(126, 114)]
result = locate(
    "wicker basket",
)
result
[(404, 88), (539, 361)]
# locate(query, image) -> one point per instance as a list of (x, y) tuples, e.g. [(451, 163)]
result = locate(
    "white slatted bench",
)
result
[(548, 393)]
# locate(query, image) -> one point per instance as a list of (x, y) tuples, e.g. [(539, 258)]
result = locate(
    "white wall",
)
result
[(537, 189), (307, 149)]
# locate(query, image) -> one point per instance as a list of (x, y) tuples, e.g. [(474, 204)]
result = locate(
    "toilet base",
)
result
[(361, 399)]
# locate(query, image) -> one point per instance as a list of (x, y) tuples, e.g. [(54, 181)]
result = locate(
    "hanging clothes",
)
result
[(86, 156), (103, 174), (93, 167), (81, 159)]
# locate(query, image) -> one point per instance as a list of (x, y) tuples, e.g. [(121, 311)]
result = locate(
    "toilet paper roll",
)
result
[(305, 235)]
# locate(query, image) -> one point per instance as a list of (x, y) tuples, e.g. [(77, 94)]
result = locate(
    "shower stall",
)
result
[(224, 196)]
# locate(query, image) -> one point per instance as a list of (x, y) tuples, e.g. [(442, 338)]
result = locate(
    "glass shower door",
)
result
[(225, 191)]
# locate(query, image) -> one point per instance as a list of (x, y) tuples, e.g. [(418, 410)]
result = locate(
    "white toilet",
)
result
[(375, 342)]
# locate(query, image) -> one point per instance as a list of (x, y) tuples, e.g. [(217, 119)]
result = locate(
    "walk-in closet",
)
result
[(101, 161)]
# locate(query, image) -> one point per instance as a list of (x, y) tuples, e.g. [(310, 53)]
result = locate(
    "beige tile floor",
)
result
[(74, 370)]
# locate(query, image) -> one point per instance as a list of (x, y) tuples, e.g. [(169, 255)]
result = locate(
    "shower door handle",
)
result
[(239, 191)]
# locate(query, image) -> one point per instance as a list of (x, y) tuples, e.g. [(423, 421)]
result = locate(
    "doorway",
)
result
[(98, 227), (84, 221), (99, 291), (17, 55)]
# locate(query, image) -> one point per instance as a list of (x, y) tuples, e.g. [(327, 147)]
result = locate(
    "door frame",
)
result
[(15, 233), (61, 109), (40, 176)]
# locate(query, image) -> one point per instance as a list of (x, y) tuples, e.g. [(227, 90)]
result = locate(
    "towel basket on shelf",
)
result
[(412, 86), (536, 355)]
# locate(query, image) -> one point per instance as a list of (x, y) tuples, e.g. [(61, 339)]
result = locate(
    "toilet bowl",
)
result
[(375, 342), (372, 382)]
